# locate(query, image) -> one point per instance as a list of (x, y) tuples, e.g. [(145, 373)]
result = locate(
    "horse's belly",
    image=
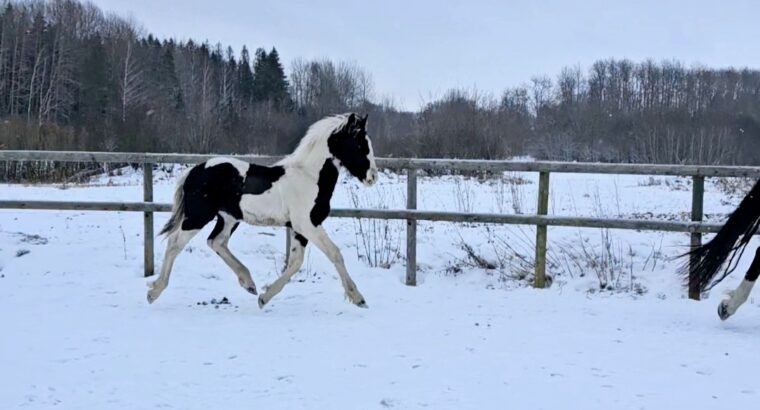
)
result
[(265, 209)]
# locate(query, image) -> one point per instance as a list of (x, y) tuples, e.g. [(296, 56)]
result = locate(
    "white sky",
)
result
[(415, 50)]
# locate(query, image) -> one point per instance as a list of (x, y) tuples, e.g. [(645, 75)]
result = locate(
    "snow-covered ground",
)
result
[(77, 333)]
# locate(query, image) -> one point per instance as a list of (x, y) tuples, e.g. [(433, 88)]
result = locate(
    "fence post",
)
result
[(411, 228), (542, 209), (148, 219), (697, 209)]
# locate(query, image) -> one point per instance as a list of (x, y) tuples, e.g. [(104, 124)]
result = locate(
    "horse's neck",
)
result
[(311, 164)]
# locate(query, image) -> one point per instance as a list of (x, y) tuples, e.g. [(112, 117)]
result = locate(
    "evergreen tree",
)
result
[(245, 78), (260, 76), (167, 78), (279, 87), (269, 81), (97, 93)]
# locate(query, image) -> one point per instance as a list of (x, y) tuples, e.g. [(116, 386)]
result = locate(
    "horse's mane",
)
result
[(316, 134)]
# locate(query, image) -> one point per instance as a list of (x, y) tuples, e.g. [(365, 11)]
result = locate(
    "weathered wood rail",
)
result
[(411, 215)]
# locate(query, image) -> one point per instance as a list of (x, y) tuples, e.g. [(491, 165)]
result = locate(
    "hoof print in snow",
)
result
[(215, 303), (31, 239), (21, 252), (388, 403)]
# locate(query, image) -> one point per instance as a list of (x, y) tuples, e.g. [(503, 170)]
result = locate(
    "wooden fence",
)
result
[(541, 220)]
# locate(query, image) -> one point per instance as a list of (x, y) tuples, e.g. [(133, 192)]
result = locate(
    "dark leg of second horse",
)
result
[(738, 296)]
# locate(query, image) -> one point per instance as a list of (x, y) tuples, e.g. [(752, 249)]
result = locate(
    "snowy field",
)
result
[(613, 332)]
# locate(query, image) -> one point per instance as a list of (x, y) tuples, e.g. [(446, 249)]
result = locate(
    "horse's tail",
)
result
[(178, 208), (731, 240)]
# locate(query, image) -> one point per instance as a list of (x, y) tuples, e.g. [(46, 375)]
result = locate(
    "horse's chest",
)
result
[(328, 177)]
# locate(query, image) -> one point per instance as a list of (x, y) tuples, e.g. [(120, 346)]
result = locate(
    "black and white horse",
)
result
[(731, 240), (295, 192)]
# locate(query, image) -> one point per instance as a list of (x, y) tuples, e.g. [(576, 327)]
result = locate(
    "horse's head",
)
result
[(351, 145)]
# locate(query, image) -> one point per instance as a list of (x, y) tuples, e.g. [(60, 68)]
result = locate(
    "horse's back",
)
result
[(220, 184)]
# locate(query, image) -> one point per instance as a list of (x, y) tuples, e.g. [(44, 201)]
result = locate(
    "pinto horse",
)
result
[(295, 192), (731, 240)]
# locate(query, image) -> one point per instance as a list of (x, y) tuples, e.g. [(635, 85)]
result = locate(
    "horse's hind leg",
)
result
[(219, 240), (738, 296), (175, 243)]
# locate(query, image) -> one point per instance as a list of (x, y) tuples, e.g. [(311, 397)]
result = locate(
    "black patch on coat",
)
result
[(328, 177), (217, 228), (754, 270), (259, 179), (220, 226), (208, 191), (302, 239)]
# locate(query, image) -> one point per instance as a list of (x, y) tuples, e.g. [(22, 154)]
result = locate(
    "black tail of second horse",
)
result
[(728, 244)]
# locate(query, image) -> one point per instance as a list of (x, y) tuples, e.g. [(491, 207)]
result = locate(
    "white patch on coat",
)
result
[(371, 176), (267, 208), (240, 165)]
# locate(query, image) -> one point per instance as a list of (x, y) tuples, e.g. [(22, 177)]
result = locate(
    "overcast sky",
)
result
[(415, 50)]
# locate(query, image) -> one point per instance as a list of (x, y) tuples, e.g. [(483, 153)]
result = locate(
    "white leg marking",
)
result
[(735, 299), (294, 263), (175, 243), (319, 237)]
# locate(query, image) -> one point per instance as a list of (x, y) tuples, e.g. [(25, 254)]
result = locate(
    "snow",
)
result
[(77, 333)]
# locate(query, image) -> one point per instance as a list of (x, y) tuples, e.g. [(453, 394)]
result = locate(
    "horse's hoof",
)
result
[(723, 310), (252, 290), (151, 298), (362, 304), (262, 302)]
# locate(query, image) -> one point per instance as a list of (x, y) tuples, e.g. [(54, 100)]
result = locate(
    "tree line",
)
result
[(75, 78)]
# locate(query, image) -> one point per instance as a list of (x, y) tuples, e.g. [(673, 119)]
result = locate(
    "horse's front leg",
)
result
[(319, 238), (298, 244)]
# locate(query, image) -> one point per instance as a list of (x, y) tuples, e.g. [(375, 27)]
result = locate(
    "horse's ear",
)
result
[(351, 120), (363, 121)]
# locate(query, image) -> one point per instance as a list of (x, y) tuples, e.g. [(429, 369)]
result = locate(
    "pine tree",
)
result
[(269, 81), (167, 78), (260, 76), (227, 85), (97, 94), (279, 87), (245, 78)]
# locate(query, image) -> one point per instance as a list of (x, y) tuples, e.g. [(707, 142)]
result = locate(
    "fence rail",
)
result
[(411, 215), (404, 163)]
